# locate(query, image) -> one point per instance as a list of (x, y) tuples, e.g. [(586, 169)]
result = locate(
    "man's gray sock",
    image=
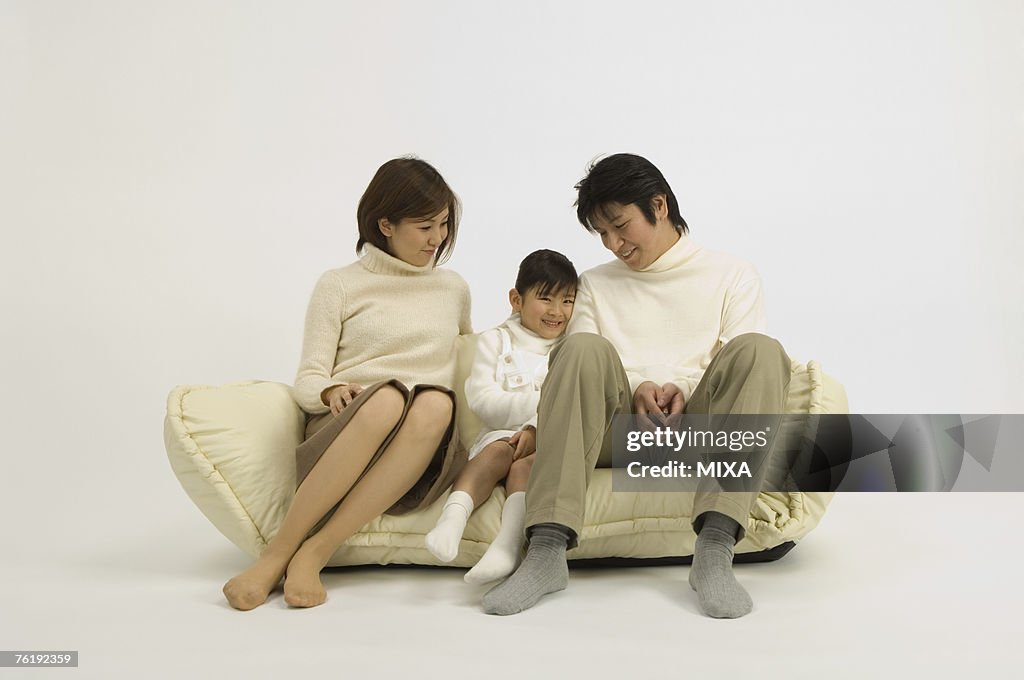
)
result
[(544, 570), (718, 592)]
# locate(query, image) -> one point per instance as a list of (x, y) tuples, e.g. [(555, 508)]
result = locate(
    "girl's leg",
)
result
[(330, 479), (502, 557), (394, 473), (472, 487), (519, 475)]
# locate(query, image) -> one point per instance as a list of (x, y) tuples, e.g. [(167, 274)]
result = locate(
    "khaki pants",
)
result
[(586, 387)]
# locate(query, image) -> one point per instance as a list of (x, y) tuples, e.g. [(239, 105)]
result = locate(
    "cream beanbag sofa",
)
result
[(233, 450)]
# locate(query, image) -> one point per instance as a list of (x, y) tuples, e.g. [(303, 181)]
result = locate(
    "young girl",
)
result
[(503, 389), (378, 361)]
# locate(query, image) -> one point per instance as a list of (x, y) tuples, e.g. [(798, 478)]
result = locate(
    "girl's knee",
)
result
[(519, 473), (499, 452), (522, 466)]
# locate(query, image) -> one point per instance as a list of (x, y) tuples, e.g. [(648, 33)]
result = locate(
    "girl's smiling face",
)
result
[(415, 240), (546, 314)]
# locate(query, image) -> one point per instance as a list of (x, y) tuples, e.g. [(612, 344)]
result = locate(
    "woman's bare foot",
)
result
[(302, 586), (251, 588)]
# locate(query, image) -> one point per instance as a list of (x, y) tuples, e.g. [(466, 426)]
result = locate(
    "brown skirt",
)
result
[(449, 459)]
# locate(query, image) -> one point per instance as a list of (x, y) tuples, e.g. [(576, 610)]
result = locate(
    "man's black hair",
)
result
[(624, 178), (548, 271)]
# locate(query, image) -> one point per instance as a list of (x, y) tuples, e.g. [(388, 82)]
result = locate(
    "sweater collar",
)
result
[(379, 262), (526, 339), (679, 254)]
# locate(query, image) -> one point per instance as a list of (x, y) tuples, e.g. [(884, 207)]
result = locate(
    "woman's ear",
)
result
[(385, 227), (516, 300)]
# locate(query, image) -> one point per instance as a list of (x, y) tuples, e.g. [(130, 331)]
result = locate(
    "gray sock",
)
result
[(719, 594), (544, 570)]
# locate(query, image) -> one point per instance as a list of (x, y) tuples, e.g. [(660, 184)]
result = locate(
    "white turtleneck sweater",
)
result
[(381, 318), (499, 405), (669, 320)]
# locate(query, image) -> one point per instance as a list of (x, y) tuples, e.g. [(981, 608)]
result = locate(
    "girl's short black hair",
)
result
[(547, 271), (624, 178)]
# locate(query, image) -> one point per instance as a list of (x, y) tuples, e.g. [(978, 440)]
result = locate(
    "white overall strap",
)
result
[(506, 342)]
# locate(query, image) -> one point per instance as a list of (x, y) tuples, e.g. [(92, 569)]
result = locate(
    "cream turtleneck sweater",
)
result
[(381, 318), (669, 320), (500, 408)]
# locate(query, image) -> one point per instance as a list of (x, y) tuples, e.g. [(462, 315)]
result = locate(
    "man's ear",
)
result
[(659, 204), (516, 300), (385, 227)]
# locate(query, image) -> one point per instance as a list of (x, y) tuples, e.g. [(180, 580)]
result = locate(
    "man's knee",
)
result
[(757, 347), (582, 347)]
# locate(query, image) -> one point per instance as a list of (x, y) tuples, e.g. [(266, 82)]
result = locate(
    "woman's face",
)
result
[(415, 240)]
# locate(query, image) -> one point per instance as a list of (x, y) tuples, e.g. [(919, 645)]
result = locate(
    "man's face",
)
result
[(630, 237)]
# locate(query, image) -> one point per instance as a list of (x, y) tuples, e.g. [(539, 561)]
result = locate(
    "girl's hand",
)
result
[(341, 396), (524, 442)]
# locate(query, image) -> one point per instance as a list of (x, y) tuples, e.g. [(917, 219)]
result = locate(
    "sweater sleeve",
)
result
[(584, 316), (465, 309), (744, 307), (584, 320), (320, 343), (497, 408)]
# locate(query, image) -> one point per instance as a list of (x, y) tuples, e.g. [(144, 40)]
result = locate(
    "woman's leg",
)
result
[(330, 479), (502, 557), (472, 487), (394, 473)]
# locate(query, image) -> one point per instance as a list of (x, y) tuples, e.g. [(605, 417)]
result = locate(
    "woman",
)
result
[(388, 321)]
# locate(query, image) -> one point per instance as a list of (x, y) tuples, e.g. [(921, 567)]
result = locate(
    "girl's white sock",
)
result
[(443, 540), (502, 558)]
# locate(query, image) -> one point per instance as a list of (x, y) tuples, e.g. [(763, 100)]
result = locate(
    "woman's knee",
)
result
[(431, 409), (384, 407)]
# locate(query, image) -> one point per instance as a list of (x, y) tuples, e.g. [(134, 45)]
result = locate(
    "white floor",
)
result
[(887, 585)]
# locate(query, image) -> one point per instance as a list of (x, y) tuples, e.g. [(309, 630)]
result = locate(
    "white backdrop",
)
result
[(175, 176)]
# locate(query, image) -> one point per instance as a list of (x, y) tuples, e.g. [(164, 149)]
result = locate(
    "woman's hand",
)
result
[(341, 396), (524, 442)]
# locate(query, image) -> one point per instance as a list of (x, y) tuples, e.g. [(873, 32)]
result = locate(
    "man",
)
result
[(666, 328)]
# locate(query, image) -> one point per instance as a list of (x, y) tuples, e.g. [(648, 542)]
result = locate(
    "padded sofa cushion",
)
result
[(232, 448)]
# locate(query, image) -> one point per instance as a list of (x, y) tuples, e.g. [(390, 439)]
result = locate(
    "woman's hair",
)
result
[(406, 188), (625, 178), (549, 271)]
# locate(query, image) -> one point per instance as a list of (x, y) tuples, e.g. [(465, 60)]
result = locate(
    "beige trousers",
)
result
[(586, 387)]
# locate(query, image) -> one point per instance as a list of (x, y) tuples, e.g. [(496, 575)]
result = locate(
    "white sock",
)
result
[(502, 558), (443, 540)]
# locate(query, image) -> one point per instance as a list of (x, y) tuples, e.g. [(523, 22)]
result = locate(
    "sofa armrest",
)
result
[(232, 447)]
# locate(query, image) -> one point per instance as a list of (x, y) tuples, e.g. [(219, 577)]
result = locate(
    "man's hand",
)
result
[(671, 400), (656, 401), (524, 442), (341, 396)]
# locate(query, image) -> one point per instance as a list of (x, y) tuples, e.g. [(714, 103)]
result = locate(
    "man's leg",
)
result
[(750, 375), (585, 388)]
